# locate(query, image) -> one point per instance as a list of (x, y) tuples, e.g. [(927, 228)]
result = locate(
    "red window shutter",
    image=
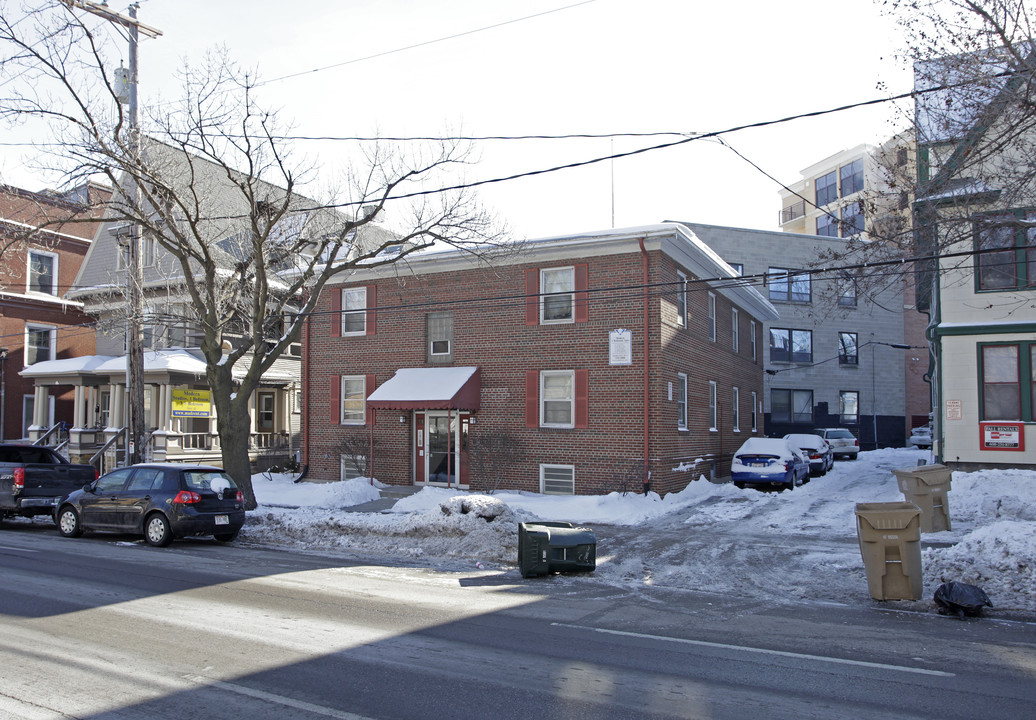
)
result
[(532, 298), (372, 309), (336, 400), (582, 398), (582, 301), (532, 398), (369, 388), (336, 313)]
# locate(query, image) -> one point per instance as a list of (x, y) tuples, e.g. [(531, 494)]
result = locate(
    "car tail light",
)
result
[(186, 497), (19, 479), (814, 456), (240, 496), (856, 442)]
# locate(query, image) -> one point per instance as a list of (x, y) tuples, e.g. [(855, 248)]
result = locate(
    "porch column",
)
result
[(79, 406), (117, 411), (40, 407), (167, 407)]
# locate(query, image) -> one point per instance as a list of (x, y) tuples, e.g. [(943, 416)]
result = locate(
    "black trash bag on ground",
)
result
[(960, 599)]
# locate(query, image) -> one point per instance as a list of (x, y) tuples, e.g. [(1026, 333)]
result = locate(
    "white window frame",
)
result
[(681, 299), (349, 309), (755, 412), (712, 317), (30, 274), (713, 409), (735, 338), (545, 468), (735, 397), (350, 461), (51, 331), (353, 417), (681, 401), (570, 271), (755, 349), (147, 252), (571, 400)]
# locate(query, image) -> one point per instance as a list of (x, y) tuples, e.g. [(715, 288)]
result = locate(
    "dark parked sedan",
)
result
[(159, 501)]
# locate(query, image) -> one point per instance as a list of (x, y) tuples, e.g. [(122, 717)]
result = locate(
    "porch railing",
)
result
[(269, 441), (196, 441)]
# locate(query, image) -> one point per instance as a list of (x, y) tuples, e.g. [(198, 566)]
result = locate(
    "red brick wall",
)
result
[(490, 332)]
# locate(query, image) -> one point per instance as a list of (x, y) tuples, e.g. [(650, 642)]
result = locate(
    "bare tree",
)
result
[(218, 188), (490, 454)]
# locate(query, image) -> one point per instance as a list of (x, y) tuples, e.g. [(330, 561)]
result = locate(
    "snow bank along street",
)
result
[(767, 547)]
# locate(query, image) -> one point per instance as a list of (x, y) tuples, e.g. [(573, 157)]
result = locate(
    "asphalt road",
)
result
[(107, 627)]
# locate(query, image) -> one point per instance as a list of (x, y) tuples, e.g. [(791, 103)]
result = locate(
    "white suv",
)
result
[(842, 441)]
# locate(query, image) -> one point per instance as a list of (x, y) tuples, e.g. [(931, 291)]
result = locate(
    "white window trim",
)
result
[(570, 468), (52, 330), (681, 401), (712, 317), (345, 311), (681, 299), (713, 407), (735, 397), (28, 272), (572, 400), (735, 337), (572, 296), (755, 412), (755, 349), (341, 400)]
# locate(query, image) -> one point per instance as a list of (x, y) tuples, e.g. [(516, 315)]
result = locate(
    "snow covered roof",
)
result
[(440, 388)]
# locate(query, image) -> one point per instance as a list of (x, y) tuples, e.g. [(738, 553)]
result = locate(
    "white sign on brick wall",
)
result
[(620, 347)]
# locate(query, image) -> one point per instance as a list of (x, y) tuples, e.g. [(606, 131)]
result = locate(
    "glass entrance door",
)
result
[(442, 449)]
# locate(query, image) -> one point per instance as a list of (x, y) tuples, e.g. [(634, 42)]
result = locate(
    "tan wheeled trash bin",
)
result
[(926, 486), (890, 543)]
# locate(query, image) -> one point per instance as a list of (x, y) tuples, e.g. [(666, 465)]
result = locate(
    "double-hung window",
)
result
[(39, 343), (735, 410), (1006, 250), (43, 272), (1008, 381), (848, 349), (439, 330), (846, 290), (712, 317), (681, 299), (681, 401), (751, 329), (735, 338), (557, 398), (354, 311), (787, 345), (354, 399), (557, 295), (755, 412), (713, 406)]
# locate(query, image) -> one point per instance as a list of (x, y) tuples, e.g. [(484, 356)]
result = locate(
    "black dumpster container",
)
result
[(546, 547)]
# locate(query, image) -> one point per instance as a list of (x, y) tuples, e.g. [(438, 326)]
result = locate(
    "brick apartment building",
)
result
[(532, 372), (43, 240)]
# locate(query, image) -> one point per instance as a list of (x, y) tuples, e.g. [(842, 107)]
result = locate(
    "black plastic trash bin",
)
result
[(546, 547)]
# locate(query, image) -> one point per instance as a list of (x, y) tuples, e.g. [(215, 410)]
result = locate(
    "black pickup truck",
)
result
[(34, 479)]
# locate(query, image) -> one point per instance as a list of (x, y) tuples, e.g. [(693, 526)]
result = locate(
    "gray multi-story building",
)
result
[(835, 356)]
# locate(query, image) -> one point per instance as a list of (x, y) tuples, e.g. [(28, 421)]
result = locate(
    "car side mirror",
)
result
[(89, 487)]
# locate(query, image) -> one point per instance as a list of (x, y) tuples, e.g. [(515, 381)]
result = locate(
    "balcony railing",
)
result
[(795, 210)]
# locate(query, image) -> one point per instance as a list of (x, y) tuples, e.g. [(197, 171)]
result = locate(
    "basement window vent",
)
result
[(558, 479)]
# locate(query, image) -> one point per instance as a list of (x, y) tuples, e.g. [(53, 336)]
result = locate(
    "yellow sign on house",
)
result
[(192, 403)]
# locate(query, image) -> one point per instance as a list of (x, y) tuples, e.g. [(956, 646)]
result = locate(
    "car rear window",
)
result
[(840, 434), (208, 480)]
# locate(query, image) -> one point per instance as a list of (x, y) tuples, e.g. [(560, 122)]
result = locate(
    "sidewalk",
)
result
[(390, 495)]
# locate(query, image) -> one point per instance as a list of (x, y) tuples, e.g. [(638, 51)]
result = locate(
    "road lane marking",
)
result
[(278, 699), (762, 651), (9, 547)]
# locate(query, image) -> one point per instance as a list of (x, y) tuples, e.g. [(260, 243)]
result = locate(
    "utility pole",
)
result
[(134, 267)]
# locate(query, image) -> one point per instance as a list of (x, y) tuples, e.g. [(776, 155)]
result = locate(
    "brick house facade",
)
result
[(43, 240), (520, 364)]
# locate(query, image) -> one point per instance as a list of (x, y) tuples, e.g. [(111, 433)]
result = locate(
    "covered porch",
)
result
[(180, 417)]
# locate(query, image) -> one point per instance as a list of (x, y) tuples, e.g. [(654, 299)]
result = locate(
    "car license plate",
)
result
[(222, 519)]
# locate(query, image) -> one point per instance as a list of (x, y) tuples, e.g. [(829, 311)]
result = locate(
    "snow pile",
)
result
[(794, 545)]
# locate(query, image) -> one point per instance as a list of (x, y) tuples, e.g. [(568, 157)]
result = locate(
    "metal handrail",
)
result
[(44, 436), (114, 439)]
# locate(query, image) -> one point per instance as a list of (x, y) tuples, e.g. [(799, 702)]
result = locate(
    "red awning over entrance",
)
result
[(445, 388)]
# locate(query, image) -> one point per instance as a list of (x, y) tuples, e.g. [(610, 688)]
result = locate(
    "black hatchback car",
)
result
[(160, 501)]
